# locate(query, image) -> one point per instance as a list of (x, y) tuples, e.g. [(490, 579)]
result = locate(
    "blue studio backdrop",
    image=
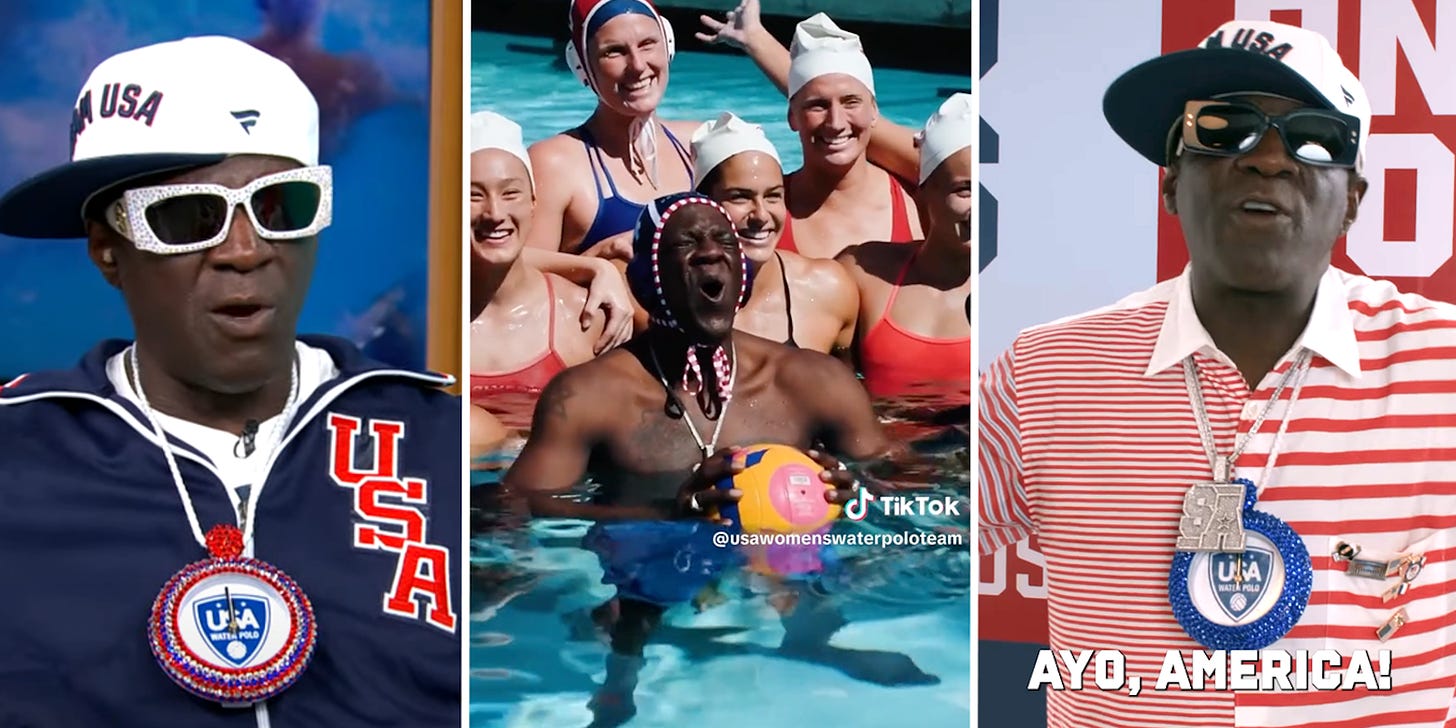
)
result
[(368, 63)]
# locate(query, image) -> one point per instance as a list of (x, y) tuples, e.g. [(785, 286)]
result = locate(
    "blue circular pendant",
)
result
[(1246, 600)]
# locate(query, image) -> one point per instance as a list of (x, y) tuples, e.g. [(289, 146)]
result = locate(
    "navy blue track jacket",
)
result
[(91, 527)]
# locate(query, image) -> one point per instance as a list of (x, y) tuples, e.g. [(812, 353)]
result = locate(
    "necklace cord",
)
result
[(708, 447), (275, 436)]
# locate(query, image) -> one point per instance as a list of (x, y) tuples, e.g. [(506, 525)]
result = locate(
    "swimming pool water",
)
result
[(545, 99), (536, 659), (902, 652)]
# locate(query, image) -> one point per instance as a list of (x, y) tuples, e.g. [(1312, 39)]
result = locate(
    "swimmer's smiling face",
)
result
[(833, 115), (946, 197), (702, 271), (750, 185), (500, 206), (629, 62)]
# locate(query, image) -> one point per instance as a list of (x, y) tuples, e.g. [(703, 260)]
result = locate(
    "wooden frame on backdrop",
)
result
[(443, 350)]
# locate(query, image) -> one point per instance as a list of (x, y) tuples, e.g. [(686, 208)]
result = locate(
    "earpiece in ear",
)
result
[(107, 257)]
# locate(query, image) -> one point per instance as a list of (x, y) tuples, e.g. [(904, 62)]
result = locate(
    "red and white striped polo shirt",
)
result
[(1088, 439)]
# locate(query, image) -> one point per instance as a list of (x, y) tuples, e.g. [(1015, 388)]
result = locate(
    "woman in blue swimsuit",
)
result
[(620, 49)]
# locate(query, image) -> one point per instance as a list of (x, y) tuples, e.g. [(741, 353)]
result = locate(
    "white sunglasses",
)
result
[(186, 218)]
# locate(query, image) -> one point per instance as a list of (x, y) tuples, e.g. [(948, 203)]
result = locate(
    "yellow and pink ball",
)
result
[(782, 492)]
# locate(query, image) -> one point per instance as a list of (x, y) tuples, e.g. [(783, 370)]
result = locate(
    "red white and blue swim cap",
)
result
[(644, 278), (588, 16)]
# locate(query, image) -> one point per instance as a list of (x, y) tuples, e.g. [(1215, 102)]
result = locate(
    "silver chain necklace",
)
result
[(1223, 466)]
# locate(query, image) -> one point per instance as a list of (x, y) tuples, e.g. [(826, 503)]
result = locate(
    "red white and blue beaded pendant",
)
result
[(232, 629)]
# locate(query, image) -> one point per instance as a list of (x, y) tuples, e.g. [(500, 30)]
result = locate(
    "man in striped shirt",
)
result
[(1332, 392)]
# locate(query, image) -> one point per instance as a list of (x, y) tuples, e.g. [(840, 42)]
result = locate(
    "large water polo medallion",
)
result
[(232, 629), (1243, 600)]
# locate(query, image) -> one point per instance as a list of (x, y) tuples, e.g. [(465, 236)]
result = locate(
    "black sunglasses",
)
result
[(1319, 137)]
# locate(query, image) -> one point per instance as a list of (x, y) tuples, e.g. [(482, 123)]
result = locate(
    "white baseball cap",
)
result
[(946, 132), (169, 106), (820, 48), (1240, 56), (489, 130), (716, 141)]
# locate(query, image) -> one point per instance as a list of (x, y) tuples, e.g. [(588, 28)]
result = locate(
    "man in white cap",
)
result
[(1255, 454), (803, 302), (221, 523), (857, 165), (524, 320), (913, 343)]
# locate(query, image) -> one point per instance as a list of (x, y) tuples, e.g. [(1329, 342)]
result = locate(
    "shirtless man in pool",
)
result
[(701, 389), (737, 389)]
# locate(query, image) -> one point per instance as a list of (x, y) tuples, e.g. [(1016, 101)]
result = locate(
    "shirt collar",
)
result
[(1330, 332)]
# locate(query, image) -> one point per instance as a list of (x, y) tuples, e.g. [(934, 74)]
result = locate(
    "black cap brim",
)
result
[(1143, 104), (48, 205)]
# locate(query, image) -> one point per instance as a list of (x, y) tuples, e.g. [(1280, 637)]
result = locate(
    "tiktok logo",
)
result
[(894, 506), (859, 507)]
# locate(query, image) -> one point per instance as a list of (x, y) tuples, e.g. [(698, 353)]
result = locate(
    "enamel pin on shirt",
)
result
[(1405, 566), (1392, 625)]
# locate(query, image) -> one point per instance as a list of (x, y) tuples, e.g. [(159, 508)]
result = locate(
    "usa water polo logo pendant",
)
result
[(232, 629), (1245, 596)]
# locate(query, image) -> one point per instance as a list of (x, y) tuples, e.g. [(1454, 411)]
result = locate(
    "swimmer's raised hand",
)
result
[(736, 28), (846, 486), (700, 496)]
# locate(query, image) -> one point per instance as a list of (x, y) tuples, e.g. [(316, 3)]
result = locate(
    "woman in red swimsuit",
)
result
[(803, 302), (915, 340), (524, 327), (857, 166)]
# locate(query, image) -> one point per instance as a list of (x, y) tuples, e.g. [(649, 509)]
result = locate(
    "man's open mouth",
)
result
[(712, 289), (243, 319), (239, 310)]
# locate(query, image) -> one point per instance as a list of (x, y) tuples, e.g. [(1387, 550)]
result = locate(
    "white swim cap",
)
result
[(820, 48), (716, 141), (946, 132), (489, 130)]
